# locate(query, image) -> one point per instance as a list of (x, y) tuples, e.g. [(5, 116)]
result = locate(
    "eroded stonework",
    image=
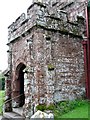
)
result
[(46, 59)]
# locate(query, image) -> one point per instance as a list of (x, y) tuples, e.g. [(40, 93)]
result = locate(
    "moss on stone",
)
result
[(50, 67)]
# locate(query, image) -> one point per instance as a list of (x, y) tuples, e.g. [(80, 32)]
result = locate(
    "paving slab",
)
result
[(1, 117), (12, 115)]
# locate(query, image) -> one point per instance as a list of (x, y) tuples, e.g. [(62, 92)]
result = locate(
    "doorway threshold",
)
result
[(18, 110)]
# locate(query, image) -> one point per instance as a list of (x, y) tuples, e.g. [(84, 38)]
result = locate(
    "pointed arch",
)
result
[(19, 83)]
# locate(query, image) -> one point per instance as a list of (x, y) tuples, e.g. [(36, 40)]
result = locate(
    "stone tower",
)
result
[(45, 57)]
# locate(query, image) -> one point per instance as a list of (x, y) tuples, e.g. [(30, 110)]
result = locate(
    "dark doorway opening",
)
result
[(21, 78), (20, 82)]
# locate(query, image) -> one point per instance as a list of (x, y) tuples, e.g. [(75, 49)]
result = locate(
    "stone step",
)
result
[(12, 115), (18, 110)]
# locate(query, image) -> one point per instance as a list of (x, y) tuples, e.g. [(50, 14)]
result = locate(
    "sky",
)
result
[(9, 11)]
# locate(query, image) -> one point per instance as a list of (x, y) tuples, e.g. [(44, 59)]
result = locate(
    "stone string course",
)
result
[(54, 57)]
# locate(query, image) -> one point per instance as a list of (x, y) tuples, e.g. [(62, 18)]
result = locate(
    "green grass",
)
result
[(80, 110), (68, 109), (2, 96)]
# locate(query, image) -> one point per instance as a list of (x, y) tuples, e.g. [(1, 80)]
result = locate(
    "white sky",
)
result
[(9, 11)]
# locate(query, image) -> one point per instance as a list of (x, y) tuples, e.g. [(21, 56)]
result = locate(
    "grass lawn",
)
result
[(80, 111), (2, 95)]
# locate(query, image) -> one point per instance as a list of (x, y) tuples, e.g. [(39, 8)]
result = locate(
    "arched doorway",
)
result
[(20, 84)]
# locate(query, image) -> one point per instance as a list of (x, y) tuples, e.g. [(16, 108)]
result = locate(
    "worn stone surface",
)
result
[(46, 59), (42, 115)]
